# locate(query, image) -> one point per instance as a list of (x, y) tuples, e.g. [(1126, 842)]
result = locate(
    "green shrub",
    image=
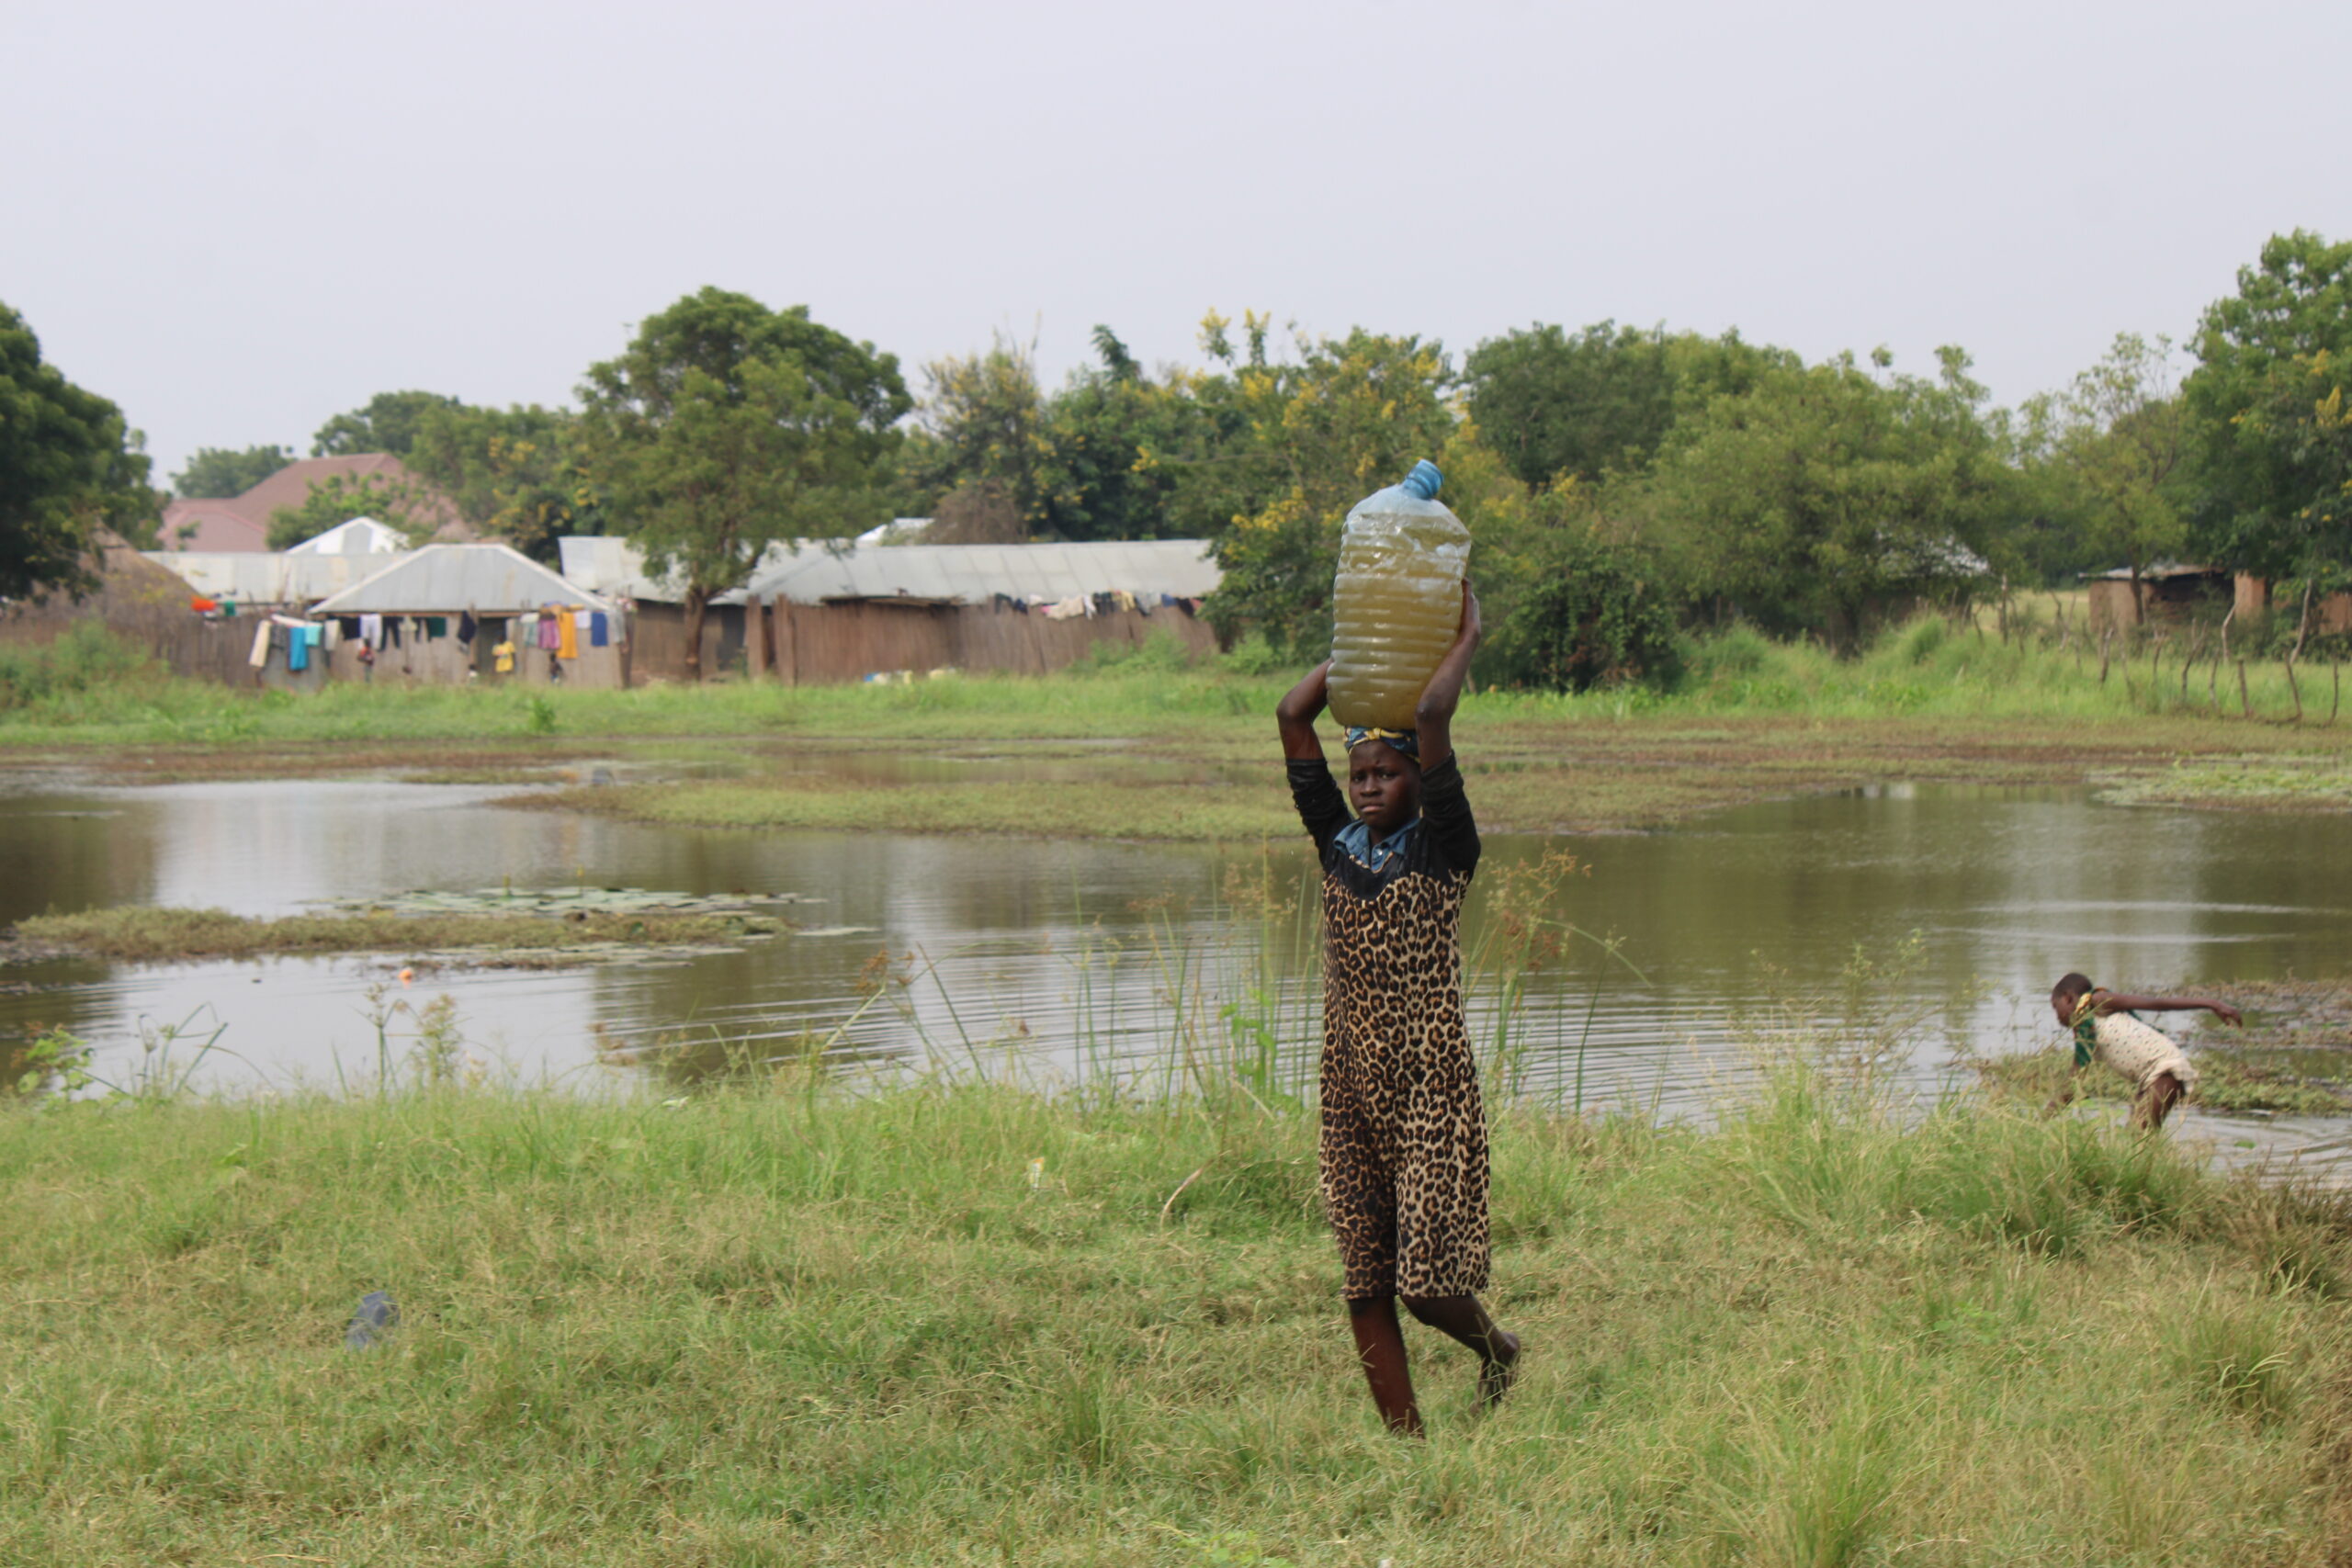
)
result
[(1161, 649), (87, 655), (1740, 649), (1595, 616)]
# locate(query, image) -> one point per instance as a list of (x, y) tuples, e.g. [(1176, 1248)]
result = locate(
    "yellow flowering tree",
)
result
[(1317, 433)]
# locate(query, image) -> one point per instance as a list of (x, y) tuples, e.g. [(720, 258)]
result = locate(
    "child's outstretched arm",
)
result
[(1297, 714), (1433, 719), (2110, 1002)]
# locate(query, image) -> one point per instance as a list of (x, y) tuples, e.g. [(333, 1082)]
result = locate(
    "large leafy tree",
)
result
[(1826, 493), (983, 449), (388, 422), (1346, 417), (1556, 402), (68, 467), (214, 471), (516, 474), (1119, 443), (726, 426), (2112, 454), (2273, 427)]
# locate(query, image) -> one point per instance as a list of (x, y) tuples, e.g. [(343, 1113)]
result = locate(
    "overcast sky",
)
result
[(237, 219)]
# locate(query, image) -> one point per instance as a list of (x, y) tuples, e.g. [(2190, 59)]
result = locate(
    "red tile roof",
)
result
[(242, 522), (213, 526)]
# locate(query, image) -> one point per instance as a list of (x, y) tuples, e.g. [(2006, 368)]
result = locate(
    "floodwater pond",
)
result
[(1065, 961)]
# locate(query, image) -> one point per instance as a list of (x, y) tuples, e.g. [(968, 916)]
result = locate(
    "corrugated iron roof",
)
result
[(2158, 572), (269, 576), (607, 563), (489, 580), (811, 572), (973, 573)]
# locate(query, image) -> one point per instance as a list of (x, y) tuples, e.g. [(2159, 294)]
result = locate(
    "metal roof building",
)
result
[(268, 576), (607, 563), (973, 574), (442, 579)]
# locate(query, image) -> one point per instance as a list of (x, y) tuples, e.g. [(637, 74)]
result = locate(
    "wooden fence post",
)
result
[(787, 654), (755, 638)]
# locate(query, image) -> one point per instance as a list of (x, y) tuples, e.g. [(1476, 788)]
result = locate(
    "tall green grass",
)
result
[(962, 1325), (85, 658)]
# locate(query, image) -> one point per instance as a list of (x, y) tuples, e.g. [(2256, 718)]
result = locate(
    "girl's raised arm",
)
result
[(1433, 718), (1297, 714)]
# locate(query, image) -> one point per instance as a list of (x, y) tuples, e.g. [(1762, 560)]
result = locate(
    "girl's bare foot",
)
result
[(1500, 1370)]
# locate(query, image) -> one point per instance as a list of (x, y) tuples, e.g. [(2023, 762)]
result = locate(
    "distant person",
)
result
[(2105, 1031), (1403, 1160)]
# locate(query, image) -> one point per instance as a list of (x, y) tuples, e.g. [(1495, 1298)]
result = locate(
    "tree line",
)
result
[(1623, 483)]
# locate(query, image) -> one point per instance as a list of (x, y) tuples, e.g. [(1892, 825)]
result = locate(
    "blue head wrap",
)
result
[(1404, 740)]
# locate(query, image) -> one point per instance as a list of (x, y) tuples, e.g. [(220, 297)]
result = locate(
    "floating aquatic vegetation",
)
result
[(530, 931), (2300, 784), (561, 902)]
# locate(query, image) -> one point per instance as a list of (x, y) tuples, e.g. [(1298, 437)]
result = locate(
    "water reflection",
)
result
[(1068, 957)]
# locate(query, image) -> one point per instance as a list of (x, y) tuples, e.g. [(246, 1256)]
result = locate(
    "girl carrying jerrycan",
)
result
[(1403, 1155)]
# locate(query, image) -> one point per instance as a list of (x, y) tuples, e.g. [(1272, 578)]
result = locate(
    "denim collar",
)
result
[(1356, 838)]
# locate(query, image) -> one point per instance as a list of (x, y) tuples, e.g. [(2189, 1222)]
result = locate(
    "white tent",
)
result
[(359, 536)]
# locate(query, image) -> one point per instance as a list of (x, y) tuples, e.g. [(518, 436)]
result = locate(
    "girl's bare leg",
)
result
[(1464, 1318), (1379, 1346), (2163, 1093)]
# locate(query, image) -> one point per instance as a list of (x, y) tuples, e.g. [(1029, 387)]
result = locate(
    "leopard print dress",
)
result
[(1404, 1137)]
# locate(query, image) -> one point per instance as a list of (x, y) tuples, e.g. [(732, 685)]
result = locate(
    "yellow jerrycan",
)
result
[(1397, 603)]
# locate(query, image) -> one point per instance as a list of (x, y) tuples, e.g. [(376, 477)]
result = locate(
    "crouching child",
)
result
[(2105, 1032)]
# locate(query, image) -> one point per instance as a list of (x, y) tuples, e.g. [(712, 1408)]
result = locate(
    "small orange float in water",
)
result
[(406, 976)]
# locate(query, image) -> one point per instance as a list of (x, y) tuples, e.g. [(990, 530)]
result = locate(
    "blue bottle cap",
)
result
[(1424, 479)]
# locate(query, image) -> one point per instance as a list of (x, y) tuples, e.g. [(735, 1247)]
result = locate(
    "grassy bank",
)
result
[(944, 1325), (1526, 774), (145, 933), (1152, 747), (1926, 669)]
